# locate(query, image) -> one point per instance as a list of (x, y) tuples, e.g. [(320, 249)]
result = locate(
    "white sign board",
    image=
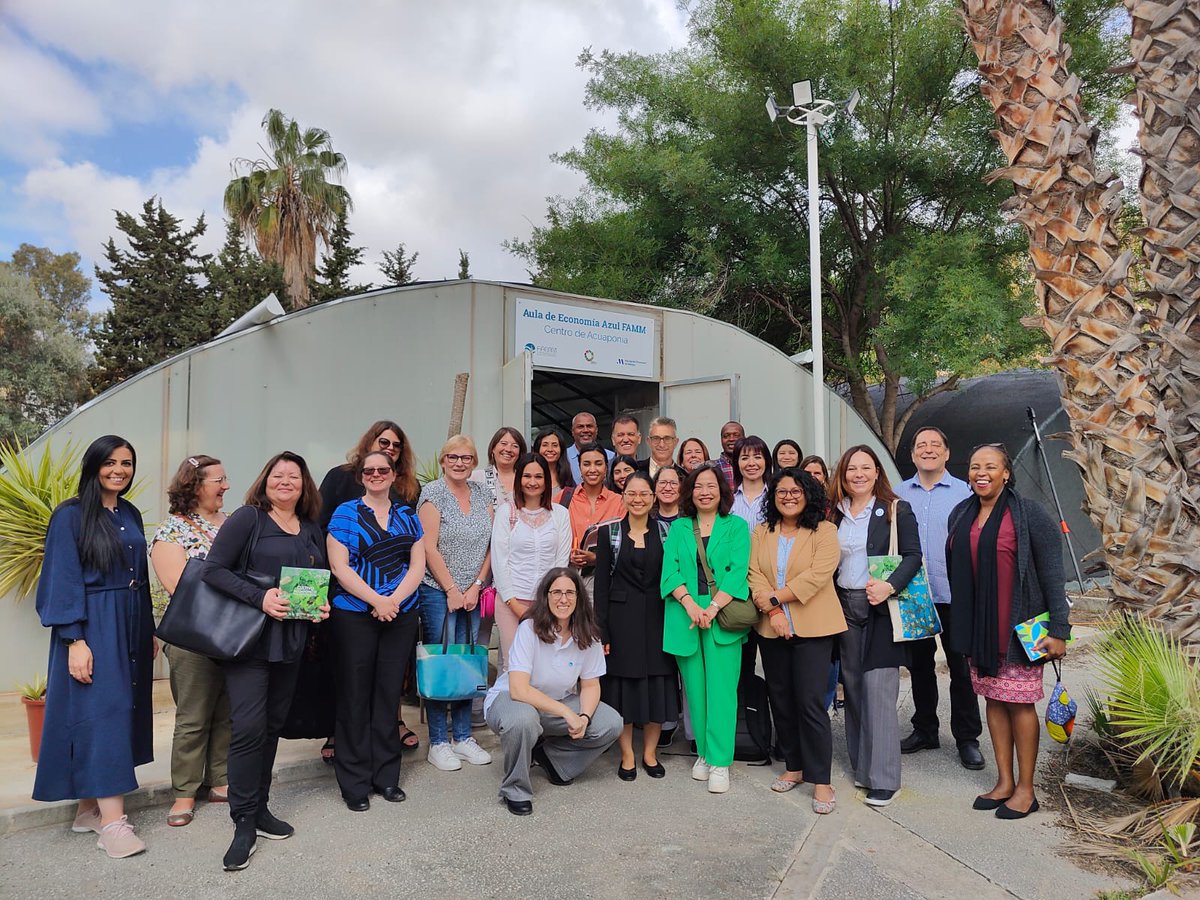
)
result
[(587, 338)]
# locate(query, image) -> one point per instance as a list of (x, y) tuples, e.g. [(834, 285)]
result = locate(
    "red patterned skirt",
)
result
[(1012, 683)]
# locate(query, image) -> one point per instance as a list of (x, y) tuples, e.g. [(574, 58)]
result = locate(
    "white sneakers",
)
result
[(470, 751), (718, 779), (118, 840), (442, 756), (700, 769)]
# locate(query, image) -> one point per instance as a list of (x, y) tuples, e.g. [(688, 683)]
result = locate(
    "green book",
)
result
[(306, 591)]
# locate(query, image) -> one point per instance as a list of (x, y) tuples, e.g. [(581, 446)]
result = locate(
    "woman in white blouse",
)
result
[(530, 536)]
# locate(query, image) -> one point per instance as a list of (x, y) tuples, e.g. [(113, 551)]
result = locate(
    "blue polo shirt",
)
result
[(932, 508)]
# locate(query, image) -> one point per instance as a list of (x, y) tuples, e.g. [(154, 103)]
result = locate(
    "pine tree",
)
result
[(159, 308), (333, 274), (239, 279), (464, 264), (397, 268)]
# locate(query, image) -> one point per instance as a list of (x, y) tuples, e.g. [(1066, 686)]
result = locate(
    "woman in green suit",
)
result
[(709, 656)]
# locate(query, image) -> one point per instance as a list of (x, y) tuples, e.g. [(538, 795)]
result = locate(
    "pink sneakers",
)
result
[(87, 821), (118, 840)]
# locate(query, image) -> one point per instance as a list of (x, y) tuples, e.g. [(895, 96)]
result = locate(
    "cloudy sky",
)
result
[(447, 113)]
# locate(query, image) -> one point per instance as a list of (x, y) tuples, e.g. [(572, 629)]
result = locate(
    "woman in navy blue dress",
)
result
[(94, 596)]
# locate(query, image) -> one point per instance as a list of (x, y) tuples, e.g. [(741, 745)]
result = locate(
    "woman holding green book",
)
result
[(376, 553), (1004, 558)]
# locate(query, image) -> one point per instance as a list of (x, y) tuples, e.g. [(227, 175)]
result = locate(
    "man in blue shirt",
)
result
[(583, 430), (933, 493)]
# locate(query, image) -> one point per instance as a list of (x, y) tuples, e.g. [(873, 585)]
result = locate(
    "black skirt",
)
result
[(642, 700)]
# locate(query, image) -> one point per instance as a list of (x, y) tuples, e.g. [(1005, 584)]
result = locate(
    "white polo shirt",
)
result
[(554, 669)]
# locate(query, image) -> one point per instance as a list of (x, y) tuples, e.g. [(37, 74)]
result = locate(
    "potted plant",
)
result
[(33, 695)]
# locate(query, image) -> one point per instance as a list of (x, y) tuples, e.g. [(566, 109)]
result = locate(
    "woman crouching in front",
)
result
[(546, 708)]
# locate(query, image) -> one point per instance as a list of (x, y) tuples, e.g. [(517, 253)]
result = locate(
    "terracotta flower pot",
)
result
[(35, 713)]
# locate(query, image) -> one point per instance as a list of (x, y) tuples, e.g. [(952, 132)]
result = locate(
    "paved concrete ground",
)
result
[(599, 838)]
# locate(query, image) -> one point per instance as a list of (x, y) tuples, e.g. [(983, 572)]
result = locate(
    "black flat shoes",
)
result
[(519, 807), (988, 803), (654, 771), (626, 774), (1007, 812)]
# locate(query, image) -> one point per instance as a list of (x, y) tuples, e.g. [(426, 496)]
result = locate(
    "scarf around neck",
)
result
[(974, 589)]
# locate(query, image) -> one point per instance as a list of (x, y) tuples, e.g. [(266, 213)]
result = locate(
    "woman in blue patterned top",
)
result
[(376, 555)]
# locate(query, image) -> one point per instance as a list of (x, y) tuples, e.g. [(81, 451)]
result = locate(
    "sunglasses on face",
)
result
[(377, 470), (385, 443)]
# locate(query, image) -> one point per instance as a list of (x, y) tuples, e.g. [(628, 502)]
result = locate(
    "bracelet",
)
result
[(775, 610), (587, 716)]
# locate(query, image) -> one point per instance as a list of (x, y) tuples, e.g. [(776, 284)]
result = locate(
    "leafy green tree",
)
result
[(239, 279), (57, 279), (464, 264), (397, 268), (159, 307), (43, 365), (333, 275), (694, 199), (288, 201)]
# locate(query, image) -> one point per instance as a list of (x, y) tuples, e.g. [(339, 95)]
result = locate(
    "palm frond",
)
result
[(30, 489)]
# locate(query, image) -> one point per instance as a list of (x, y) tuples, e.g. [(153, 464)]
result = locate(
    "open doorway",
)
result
[(556, 397)]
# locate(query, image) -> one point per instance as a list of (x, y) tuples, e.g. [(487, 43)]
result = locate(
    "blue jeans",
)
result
[(433, 615)]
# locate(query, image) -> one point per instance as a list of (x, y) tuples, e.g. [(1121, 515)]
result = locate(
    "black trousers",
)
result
[(260, 694), (964, 704), (372, 657), (797, 672)]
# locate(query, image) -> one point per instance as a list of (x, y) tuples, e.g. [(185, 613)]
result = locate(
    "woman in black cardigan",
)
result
[(864, 504), (277, 527), (1004, 558), (640, 682)]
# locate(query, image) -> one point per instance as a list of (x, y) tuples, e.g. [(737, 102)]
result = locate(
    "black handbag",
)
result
[(205, 620)]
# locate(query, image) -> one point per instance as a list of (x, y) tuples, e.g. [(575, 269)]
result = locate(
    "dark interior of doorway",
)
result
[(558, 396)]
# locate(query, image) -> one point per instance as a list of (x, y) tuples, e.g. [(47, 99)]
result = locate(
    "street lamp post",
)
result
[(812, 114)]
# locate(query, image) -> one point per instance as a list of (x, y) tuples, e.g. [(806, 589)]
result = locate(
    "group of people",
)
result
[(629, 594)]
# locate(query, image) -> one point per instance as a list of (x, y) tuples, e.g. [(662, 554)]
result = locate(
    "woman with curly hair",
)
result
[(551, 692), (200, 743), (793, 555)]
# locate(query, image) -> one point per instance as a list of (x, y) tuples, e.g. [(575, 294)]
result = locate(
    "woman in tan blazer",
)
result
[(793, 556)]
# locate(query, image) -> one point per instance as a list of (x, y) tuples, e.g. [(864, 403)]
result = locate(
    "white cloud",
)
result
[(447, 114)]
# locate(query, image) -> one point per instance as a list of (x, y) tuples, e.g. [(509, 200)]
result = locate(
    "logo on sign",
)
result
[(589, 356), (530, 347)]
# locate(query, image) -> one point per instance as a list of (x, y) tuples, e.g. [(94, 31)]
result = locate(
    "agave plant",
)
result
[(428, 470), (30, 489), (1152, 699), (33, 690)]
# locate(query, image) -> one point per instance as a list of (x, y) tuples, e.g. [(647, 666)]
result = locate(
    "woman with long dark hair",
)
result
[(864, 506), (1004, 558), (277, 527), (550, 443), (793, 555), (618, 470), (551, 692), (787, 455), (94, 596), (500, 474), (200, 744)]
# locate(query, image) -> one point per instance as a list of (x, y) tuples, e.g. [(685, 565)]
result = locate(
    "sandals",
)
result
[(782, 785), (824, 807), (179, 819), (408, 738), (328, 752)]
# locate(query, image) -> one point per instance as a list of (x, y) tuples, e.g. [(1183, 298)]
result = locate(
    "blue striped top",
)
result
[(378, 557)]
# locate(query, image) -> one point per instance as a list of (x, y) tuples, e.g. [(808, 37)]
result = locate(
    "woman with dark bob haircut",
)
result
[(277, 527), (94, 596), (551, 692), (793, 555)]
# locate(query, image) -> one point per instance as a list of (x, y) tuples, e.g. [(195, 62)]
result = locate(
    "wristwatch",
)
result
[(478, 583), (774, 600), (67, 642)]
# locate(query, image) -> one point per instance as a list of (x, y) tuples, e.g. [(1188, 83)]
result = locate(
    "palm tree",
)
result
[(1127, 364), (286, 201)]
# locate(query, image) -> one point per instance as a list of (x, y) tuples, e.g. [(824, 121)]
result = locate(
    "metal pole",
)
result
[(1062, 520), (814, 263)]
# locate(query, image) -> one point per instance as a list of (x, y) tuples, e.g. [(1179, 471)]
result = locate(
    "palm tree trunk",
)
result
[(1127, 368)]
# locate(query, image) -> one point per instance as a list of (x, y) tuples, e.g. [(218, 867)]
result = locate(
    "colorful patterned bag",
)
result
[(913, 613), (1060, 711)]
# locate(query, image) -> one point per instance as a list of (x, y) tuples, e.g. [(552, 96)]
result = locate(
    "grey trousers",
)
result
[(872, 723), (520, 726), (200, 746)]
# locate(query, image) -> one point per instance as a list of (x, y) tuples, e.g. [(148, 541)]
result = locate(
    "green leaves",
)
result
[(30, 490)]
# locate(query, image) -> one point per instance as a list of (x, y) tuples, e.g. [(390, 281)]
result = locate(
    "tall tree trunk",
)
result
[(1127, 369)]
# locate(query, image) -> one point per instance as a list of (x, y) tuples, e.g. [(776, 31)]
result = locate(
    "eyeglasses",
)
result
[(638, 495), (459, 457), (663, 439), (376, 470), (224, 479), (557, 594), (385, 443), (790, 492)]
